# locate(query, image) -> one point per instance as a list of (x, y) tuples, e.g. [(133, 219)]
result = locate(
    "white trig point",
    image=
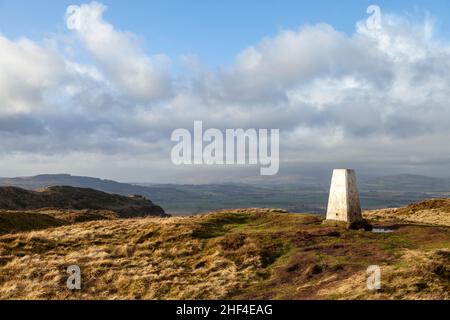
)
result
[(344, 204)]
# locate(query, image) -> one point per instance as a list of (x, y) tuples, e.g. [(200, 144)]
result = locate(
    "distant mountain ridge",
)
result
[(126, 189), (408, 182), (51, 180), (304, 196)]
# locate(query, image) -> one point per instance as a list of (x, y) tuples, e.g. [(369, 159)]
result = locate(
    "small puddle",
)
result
[(382, 230)]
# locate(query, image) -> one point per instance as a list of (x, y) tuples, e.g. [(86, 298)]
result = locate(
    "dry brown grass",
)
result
[(128, 259), (417, 275), (249, 254), (22, 221), (432, 212)]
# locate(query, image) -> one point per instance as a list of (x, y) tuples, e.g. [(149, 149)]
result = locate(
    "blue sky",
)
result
[(102, 98), (215, 31)]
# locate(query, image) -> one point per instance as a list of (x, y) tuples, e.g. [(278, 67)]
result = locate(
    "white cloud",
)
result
[(376, 98), (118, 55), (27, 71)]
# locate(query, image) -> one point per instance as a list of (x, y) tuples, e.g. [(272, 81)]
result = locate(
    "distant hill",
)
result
[(407, 182), (13, 198), (163, 195), (296, 195), (126, 189)]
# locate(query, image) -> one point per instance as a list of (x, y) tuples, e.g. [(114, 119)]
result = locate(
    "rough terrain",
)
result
[(236, 254)]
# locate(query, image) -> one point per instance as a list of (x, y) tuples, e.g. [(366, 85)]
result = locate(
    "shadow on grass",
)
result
[(217, 226)]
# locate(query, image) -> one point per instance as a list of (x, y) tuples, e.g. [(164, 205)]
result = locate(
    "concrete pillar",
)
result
[(344, 204)]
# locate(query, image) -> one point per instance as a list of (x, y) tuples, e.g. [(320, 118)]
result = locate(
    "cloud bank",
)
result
[(377, 99)]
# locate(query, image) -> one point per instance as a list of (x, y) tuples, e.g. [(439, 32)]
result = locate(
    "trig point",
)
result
[(344, 204)]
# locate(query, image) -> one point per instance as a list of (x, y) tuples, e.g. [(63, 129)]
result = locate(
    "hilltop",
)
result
[(161, 194), (25, 210), (232, 254)]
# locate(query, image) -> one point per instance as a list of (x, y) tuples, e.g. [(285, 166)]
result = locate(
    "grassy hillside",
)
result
[(23, 210), (22, 221), (70, 198), (245, 254), (13, 222), (432, 212)]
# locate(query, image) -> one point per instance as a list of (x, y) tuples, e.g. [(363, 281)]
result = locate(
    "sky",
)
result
[(214, 30), (102, 99)]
